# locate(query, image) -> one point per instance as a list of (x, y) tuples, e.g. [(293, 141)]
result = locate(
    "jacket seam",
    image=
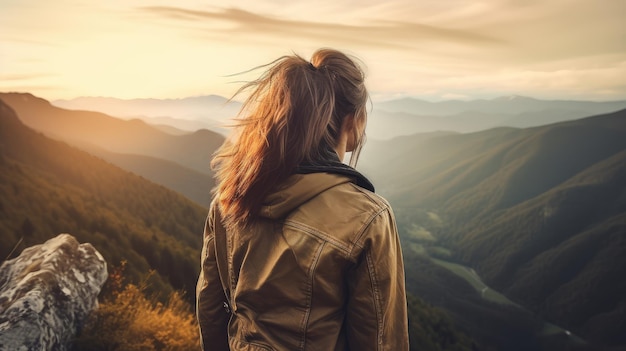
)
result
[(375, 199), (364, 228), (318, 234), (376, 296), (309, 297)]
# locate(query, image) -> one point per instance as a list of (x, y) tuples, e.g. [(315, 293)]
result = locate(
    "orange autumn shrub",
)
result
[(131, 321)]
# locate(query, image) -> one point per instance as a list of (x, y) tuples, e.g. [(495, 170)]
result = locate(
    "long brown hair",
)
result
[(294, 114)]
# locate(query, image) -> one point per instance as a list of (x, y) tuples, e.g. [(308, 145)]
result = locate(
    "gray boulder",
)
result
[(47, 292)]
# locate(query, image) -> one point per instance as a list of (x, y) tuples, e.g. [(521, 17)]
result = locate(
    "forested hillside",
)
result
[(48, 187), (192, 184), (540, 213), (132, 145)]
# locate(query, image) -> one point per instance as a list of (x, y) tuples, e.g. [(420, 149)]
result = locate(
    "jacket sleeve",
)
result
[(210, 312), (376, 317)]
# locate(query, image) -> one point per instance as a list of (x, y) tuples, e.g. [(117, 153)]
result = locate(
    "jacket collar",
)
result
[(331, 164), (310, 179), (296, 190)]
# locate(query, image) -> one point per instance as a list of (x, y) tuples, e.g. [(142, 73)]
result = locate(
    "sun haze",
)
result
[(561, 49)]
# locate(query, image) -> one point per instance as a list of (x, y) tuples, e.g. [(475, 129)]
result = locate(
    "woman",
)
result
[(299, 253)]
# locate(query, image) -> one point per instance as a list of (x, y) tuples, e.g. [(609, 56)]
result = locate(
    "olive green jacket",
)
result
[(321, 269)]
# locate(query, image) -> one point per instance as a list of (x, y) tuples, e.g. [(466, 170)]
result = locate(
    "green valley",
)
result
[(538, 213)]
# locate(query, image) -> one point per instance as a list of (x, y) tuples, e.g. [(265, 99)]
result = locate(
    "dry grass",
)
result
[(131, 321)]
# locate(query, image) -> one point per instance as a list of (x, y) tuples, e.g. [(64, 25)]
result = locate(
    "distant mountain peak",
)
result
[(211, 98), (514, 98), (26, 97)]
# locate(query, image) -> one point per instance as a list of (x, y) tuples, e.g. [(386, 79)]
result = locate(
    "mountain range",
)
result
[(539, 213), (387, 119), (410, 116), (178, 161), (188, 114), (49, 187)]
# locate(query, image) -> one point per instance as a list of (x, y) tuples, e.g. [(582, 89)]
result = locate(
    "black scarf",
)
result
[(331, 164)]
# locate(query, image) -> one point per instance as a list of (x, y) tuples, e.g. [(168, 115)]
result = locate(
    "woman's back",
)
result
[(311, 263), (297, 246)]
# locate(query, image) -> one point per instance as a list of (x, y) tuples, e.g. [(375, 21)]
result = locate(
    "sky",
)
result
[(428, 49)]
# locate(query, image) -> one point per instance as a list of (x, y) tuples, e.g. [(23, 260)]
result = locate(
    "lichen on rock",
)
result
[(47, 292)]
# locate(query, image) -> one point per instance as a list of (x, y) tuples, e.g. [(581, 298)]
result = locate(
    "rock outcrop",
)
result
[(47, 292)]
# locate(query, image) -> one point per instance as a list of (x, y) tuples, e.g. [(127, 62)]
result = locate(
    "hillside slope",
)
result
[(192, 184), (48, 187), (540, 213), (193, 150), (409, 116), (563, 253)]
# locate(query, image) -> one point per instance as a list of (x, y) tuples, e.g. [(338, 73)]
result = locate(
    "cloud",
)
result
[(555, 48), (603, 83), (377, 33), (544, 31), (17, 40), (22, 77), (25, 88)]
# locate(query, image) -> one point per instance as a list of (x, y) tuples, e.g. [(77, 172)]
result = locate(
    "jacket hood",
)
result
[(298, 189)]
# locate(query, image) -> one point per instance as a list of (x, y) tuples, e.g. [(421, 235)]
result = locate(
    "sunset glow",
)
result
[(558, 49)]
